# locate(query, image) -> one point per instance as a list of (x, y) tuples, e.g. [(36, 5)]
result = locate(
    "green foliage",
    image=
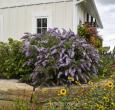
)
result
[(58, 55), (90, 33), (12, 60), (99, 96), (97, 99), (82, 31), (114, 50), (106, 61), (104, 50), (21, 105), (98, 42)]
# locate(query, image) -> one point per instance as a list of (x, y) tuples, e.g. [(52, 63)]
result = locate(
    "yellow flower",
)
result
[(63, 92), (50, 104), (110, 84), (92, 89), (90, 83), (111, 76), (70, 78), (113, 104), (99, 107), (106, 99), (78, 83), (95, 86)]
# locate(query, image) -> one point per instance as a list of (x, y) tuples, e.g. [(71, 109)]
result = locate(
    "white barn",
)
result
[(35, 16)]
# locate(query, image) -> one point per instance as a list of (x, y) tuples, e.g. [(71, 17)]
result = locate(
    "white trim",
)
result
[(92, 10), (77, 2), (41, 14), (75, 14)]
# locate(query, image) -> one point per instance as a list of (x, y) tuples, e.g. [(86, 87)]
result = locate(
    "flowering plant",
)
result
[(57, 55), (113, 65), (106, 61), (90, 33), (94, 96)]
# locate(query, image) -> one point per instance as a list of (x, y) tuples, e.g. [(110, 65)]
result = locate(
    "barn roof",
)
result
[(92, 9)]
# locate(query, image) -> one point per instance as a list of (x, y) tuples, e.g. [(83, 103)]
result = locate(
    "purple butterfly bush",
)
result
[(56, 55)]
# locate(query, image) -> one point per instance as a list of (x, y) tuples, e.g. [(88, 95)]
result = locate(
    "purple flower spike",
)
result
[(58, 54)]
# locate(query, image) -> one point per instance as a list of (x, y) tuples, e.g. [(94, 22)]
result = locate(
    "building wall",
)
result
[(19, 19), (12, 3), (1, 26)]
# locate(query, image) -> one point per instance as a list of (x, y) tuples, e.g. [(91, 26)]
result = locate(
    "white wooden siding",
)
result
[(18, 20), (21, 3), (1, 27)]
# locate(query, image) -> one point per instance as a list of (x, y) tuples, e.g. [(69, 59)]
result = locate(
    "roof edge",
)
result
[(97, 13)]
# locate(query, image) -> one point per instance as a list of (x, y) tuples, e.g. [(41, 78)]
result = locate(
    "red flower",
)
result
[(113, 65)]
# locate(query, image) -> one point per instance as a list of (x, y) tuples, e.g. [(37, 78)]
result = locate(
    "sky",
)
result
[(106, 9)]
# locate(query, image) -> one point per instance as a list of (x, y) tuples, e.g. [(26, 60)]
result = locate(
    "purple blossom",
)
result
[(58, 59)]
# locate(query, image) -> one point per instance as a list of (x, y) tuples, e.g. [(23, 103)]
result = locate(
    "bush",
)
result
[(90, 33), (106, 61), (58, 55), (12, 60)]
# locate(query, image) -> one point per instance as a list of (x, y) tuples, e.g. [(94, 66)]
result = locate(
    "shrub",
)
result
[(58, 55), (90, 33), (12, 60), (106, 61)]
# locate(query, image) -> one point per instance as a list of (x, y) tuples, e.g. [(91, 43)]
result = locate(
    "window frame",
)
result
[(41, 14), (41, 27)]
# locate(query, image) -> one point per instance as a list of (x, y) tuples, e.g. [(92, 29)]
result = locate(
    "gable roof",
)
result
[(99, 22), (92, 9)]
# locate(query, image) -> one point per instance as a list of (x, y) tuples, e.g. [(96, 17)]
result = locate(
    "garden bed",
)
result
[(11, 90), (60, 65)]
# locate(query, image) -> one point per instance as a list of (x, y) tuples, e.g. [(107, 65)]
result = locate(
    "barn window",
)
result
[(91, 20), (87, 17), (41, 25), (95, 23)]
